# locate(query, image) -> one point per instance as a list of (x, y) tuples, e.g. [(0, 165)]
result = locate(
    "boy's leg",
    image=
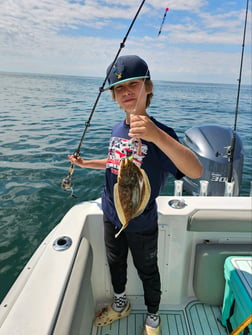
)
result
[(143, 247), (117, 252)]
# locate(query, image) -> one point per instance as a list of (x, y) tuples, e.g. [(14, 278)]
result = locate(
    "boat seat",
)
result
[(212, 220), (208, 279)]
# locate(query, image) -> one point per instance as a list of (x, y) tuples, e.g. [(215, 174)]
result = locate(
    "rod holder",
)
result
[(203, 188), (62, 243), (178, 188), (229, 189)]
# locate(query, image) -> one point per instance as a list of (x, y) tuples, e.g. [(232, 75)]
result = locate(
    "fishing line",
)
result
[(66, 182), (133, 141), (159, 32), (231, 148)]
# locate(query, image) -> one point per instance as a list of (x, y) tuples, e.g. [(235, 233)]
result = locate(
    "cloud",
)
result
[(82, 37)]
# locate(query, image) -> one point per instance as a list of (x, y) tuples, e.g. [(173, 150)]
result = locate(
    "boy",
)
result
[(160, 154)]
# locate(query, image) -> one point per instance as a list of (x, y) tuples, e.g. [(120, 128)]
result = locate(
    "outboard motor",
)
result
[(210, 143)]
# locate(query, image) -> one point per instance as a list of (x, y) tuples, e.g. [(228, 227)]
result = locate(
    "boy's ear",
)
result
[(148, 87)]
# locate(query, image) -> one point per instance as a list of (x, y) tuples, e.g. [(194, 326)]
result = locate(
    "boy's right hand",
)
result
[(76, 160)]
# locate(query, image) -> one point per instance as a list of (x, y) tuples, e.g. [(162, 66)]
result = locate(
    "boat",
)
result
[(204, 255), (67, 280)]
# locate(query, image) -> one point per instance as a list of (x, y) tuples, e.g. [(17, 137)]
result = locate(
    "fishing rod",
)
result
[(66, 182), (162, 23), (231, 148)]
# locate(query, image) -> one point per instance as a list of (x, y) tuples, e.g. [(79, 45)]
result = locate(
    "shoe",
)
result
[(151, 331), (108, 315)]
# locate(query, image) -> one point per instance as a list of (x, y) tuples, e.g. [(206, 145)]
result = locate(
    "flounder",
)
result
[(131, 192)]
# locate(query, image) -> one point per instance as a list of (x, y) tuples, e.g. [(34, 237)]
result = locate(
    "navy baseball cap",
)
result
[(126, 68)]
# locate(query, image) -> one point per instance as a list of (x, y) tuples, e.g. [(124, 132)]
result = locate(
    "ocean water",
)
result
[(42, 118)]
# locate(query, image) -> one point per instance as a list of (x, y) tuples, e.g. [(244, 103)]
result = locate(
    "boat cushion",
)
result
[(212, 220)]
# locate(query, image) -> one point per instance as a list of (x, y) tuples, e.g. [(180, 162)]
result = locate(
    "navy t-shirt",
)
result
[(155, 163)]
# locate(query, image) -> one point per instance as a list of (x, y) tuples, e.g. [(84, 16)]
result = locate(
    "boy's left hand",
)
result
[(142, 127)]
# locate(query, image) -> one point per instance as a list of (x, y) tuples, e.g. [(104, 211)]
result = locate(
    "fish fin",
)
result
[(146, 195), (118, 206)]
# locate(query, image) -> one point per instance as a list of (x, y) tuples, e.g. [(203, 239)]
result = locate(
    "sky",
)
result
[(201, 40)]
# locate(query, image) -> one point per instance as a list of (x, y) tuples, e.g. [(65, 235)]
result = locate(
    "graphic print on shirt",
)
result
[(122, 148)]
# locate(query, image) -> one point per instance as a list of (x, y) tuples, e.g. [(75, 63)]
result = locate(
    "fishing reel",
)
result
[(66, 182)]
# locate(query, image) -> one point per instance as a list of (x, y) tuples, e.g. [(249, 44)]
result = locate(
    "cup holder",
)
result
[(177, 203)]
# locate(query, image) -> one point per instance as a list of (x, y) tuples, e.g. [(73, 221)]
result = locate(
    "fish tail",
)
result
[(116, 235)]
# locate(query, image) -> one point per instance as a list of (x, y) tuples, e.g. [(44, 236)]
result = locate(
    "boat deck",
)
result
[(195, 319)]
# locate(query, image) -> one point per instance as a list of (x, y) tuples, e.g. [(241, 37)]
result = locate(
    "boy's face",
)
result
[(131, 96)]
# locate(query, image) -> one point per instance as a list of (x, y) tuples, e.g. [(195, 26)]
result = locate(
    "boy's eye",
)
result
[(118, 88), (135, 83)]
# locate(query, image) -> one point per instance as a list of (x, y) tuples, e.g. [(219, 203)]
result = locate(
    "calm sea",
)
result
[(42, 118)]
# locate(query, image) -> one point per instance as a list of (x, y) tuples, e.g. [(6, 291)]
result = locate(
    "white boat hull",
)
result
[(58, 291)]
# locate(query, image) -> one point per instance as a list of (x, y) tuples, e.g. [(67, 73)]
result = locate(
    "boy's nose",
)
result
[(127, 90)]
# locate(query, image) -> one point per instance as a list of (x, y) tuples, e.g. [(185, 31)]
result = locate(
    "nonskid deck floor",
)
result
[(195, 319)]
